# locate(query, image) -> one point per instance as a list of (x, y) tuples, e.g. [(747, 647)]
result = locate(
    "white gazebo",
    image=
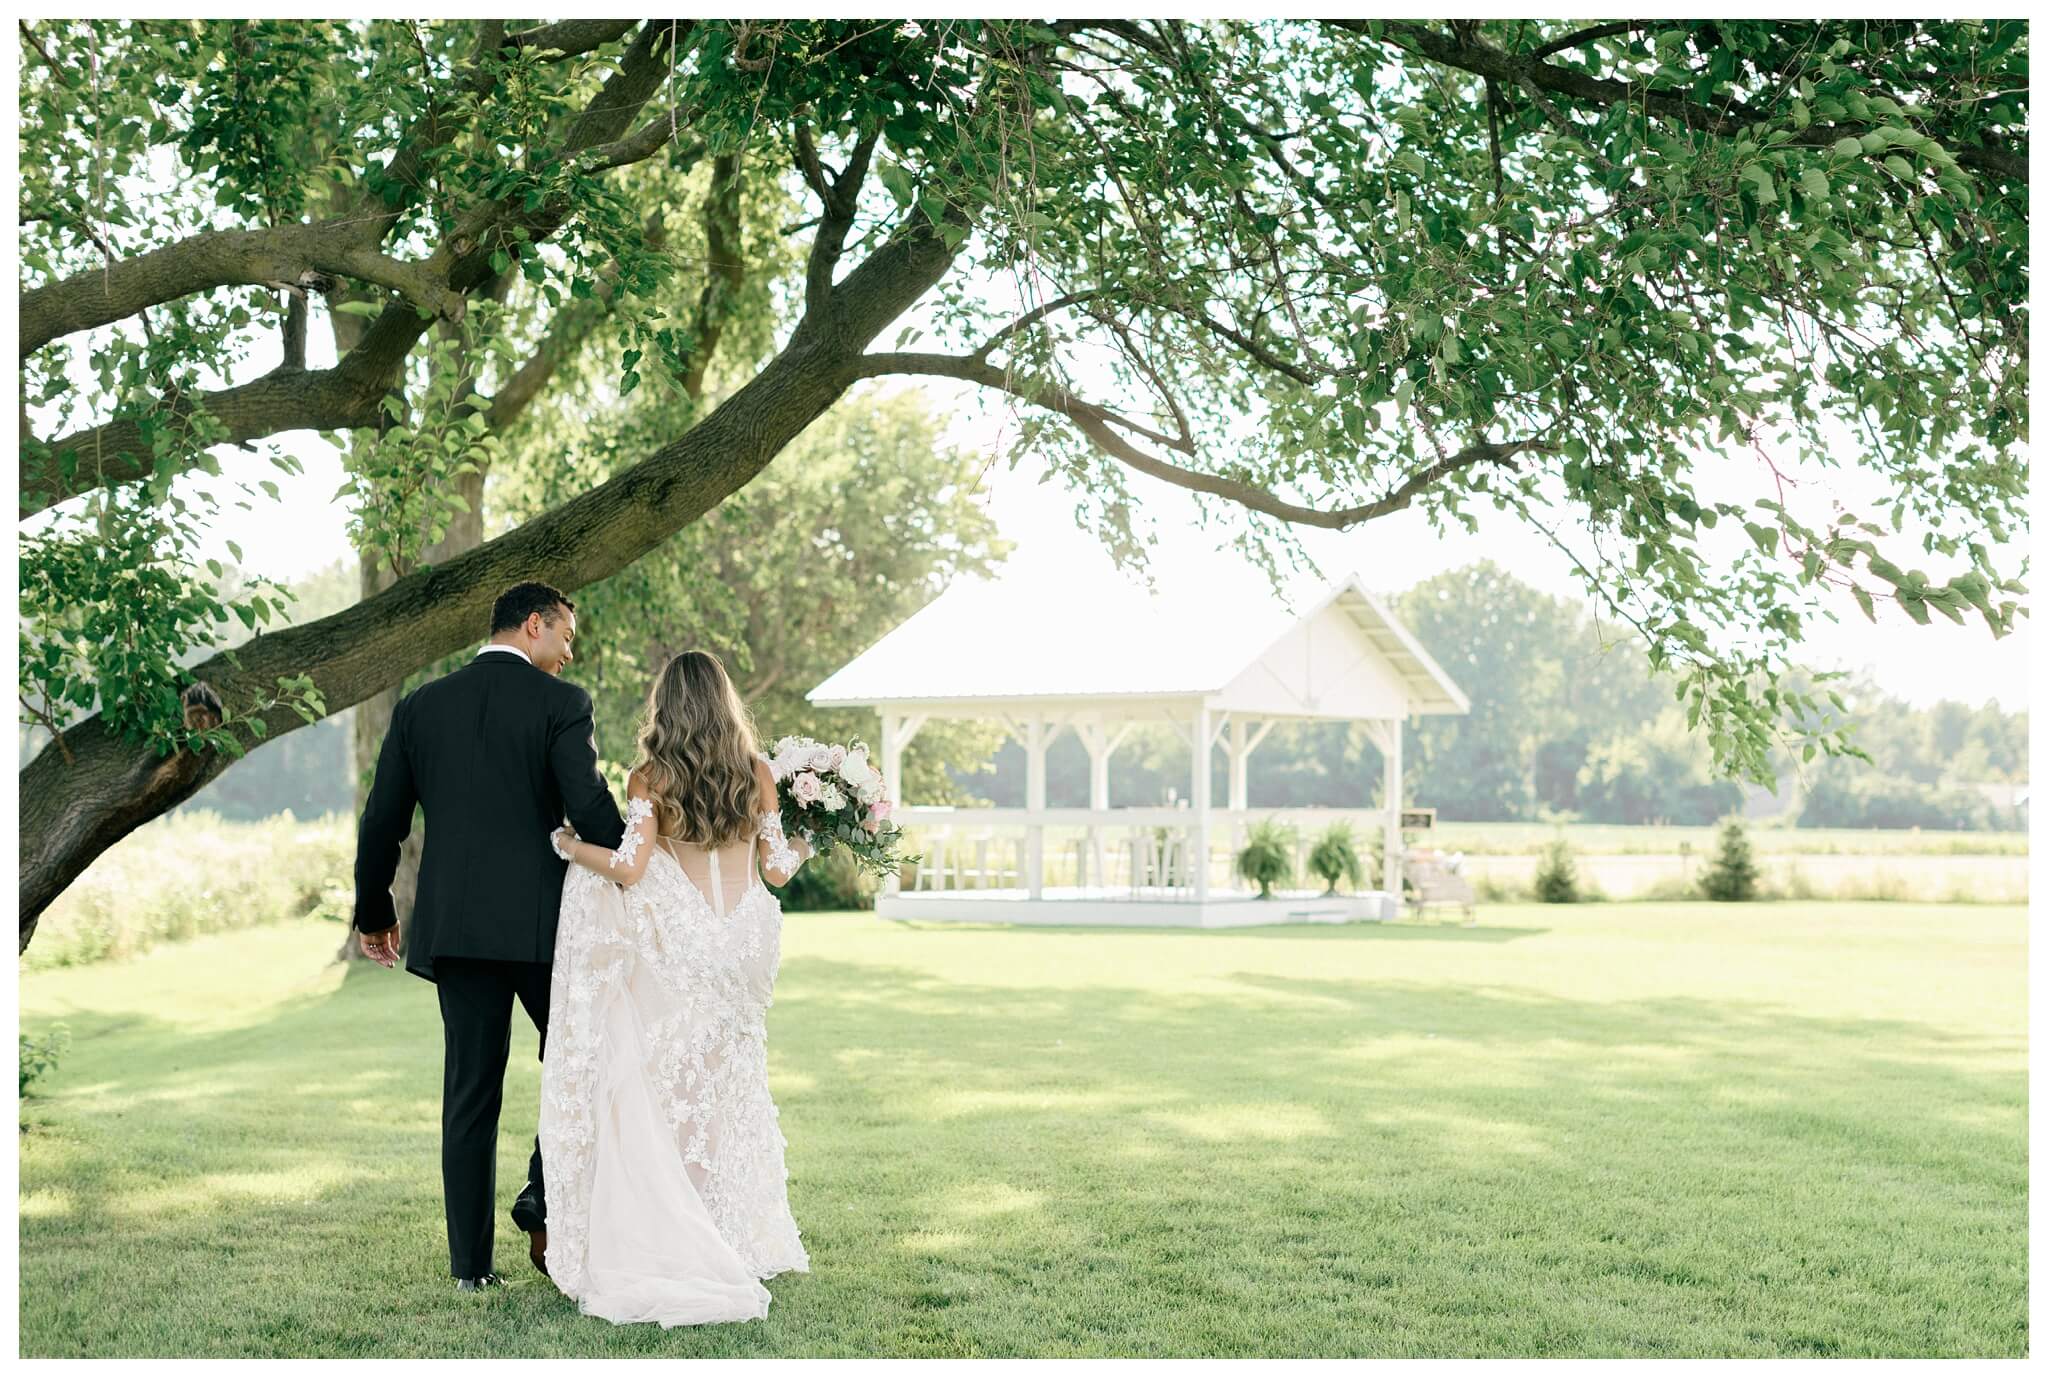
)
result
[(1220, 672)]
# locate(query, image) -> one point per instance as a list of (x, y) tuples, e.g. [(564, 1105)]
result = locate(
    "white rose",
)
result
[(855, 769), (820, 757)]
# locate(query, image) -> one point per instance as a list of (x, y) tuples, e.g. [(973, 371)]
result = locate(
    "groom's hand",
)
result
[(381, 947)]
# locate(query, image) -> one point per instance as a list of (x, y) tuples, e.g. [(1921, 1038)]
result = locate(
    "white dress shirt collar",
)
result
[(497, 646)]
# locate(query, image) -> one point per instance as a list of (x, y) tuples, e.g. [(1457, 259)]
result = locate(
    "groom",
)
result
[(495, 753)]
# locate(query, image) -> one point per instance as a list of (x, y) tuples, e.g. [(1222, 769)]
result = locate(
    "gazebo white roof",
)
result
[(999, 644)]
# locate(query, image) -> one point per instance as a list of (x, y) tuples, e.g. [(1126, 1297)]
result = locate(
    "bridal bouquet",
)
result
[(836, 798)]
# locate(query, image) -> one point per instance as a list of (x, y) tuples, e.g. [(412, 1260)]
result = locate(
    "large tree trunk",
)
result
[(73, 810)]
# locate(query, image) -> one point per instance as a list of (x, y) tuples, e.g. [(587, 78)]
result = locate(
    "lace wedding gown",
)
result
[(666, 1190)]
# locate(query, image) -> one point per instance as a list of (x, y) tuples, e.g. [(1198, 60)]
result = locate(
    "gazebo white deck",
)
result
[(1221, 677)]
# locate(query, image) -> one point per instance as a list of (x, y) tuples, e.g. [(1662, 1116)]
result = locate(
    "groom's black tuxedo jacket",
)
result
[(497, 754)]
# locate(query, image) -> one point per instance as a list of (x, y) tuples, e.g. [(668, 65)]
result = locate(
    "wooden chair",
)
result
[(1435, 883)]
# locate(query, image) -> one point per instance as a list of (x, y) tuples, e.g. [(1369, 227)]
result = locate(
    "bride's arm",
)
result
[(629, 862), (780, 855)]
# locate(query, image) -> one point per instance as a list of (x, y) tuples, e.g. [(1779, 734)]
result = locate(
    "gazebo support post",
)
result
[(1390, 875), (1034, 801), (1203, 741), (897, 730), (1239, 794)]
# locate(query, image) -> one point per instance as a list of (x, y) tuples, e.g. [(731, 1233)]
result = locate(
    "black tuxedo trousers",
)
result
[(494, 756)]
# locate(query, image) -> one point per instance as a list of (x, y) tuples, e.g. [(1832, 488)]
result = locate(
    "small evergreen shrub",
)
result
[(1268, 856), (1557, 879), (1336, 858), (1733, 873)]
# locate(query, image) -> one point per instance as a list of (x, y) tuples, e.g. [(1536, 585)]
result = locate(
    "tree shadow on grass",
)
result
[(1291, 1167)]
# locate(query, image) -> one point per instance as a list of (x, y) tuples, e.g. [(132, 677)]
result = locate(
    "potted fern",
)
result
[(1268, 856), (1336, 857)]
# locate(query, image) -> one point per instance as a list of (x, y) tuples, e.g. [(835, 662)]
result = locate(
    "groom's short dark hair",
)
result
[(522, 601)]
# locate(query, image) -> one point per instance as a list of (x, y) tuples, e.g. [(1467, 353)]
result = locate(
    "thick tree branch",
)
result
[(1102, 426), (840, 196), (120, 451), (1050, 395), (642, 144), (1592, 33), (289, 256), (725, 268), (1723, 117)]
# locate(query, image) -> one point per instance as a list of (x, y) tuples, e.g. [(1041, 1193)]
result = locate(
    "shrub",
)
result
[(829, 882), (39, 1055), (1268, 856), (1557, 879), (188, 874), (1336, 857), (1733, 873)]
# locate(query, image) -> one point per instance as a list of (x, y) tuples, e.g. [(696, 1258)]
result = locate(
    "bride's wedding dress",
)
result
[(666, 1190)]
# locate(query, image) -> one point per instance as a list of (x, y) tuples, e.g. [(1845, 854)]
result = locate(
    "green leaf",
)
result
[(897, 180), (1766, 538)]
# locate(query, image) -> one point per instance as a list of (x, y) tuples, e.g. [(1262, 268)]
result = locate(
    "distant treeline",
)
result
[(1566, 722)]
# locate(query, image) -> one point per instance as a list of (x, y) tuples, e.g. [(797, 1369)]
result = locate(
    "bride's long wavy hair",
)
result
[(697, 753)]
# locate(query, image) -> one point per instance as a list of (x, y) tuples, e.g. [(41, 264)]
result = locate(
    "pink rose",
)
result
[(872, 823), (805, 787), (833, 757), (880, 809)]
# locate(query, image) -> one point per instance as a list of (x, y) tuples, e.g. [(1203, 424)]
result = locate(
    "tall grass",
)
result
[(192, 873)]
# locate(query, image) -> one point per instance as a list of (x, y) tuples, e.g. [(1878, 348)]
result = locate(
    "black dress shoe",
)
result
[(478, 1284), (529, 1215)]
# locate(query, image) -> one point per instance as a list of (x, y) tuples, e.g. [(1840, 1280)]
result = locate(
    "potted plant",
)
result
[(1268, 856), (1336, 857)]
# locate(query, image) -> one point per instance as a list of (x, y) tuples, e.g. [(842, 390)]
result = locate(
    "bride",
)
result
[(666, 1191)]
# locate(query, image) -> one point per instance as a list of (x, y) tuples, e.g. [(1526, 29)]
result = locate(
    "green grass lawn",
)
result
[(1650, 1129)]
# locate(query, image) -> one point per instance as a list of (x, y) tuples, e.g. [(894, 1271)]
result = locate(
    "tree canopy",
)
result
[(1315, 271)]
